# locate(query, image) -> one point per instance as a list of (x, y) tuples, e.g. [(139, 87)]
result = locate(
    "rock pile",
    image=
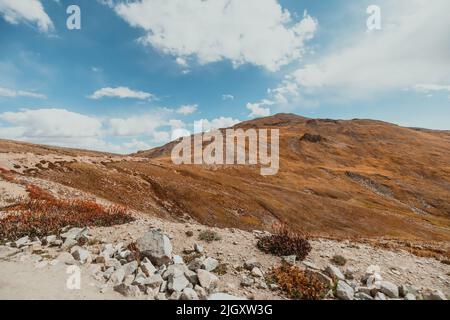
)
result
[(153, 270), (371, 286), (148, 269)]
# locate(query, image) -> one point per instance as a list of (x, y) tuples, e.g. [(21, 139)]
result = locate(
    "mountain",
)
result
[(337, 178)]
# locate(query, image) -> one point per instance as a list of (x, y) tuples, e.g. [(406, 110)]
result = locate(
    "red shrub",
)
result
[(285, 243), (44, 214), (297, 284), (6, 174)]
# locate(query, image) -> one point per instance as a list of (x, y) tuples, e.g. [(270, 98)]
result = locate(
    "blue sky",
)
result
[(138, 70)]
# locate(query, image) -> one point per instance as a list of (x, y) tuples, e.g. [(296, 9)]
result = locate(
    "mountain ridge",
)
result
[(338, 178)]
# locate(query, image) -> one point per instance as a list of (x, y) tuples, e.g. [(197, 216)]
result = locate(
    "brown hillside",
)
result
[(358, 178)]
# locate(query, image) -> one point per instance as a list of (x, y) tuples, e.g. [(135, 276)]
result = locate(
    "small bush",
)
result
[(339, 260), (42, 214), (297, 284), (189, 233), (209, 236), (191, 257), (285, 243), (221, 269)]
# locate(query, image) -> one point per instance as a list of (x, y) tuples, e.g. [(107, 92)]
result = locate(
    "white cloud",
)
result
[(135, 125), (428, 88), (52, 123), (61, 127), (218, 123), (122, 93), (29, 11), (258, 109), (182, 62), (412, 48), (259, 32), (187, 109), (9, 93), (227, 97)]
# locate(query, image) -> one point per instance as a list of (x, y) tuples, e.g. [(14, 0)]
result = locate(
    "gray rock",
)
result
[(66, 258), (154, 281), (176, 295), (289, 259), (140, 279), (389, 289), (209, 264), (108, 272), (22, 242), (256, 272), (374, 280), (247, 281), (6, 252), (364, 290), (363, 296), (58, 243), (74, 233), (344, 291), (178, 260), (117, 276), (147, 267), (380, 296), (206, 279), (349, 273), (163, 287), (174, 270), (433, 295), (81, 255), (50, 240), (334, 272), (191, 276), (195, 264), (108, 251), (310, 265), (177, 282), (189, 294), (156, 246), (125, 254), (370, 271), (128, 280), (223, 296), (130, 268), (111, 262), (128, 291), (410, 296), (69, 243), (261, 284), (200, 292), (199, 248), (251, 263), (161, 296)]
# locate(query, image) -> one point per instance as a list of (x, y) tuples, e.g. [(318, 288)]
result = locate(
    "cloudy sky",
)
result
[(138, 70)]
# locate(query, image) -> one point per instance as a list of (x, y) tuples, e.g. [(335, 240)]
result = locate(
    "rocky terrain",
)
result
[(373, 199), (175, 264)]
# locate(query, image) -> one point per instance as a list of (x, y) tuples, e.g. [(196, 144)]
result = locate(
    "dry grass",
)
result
[(6, 175), (209, 236), (296, 284), (285, 243), (42, 214), (339, 260)]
